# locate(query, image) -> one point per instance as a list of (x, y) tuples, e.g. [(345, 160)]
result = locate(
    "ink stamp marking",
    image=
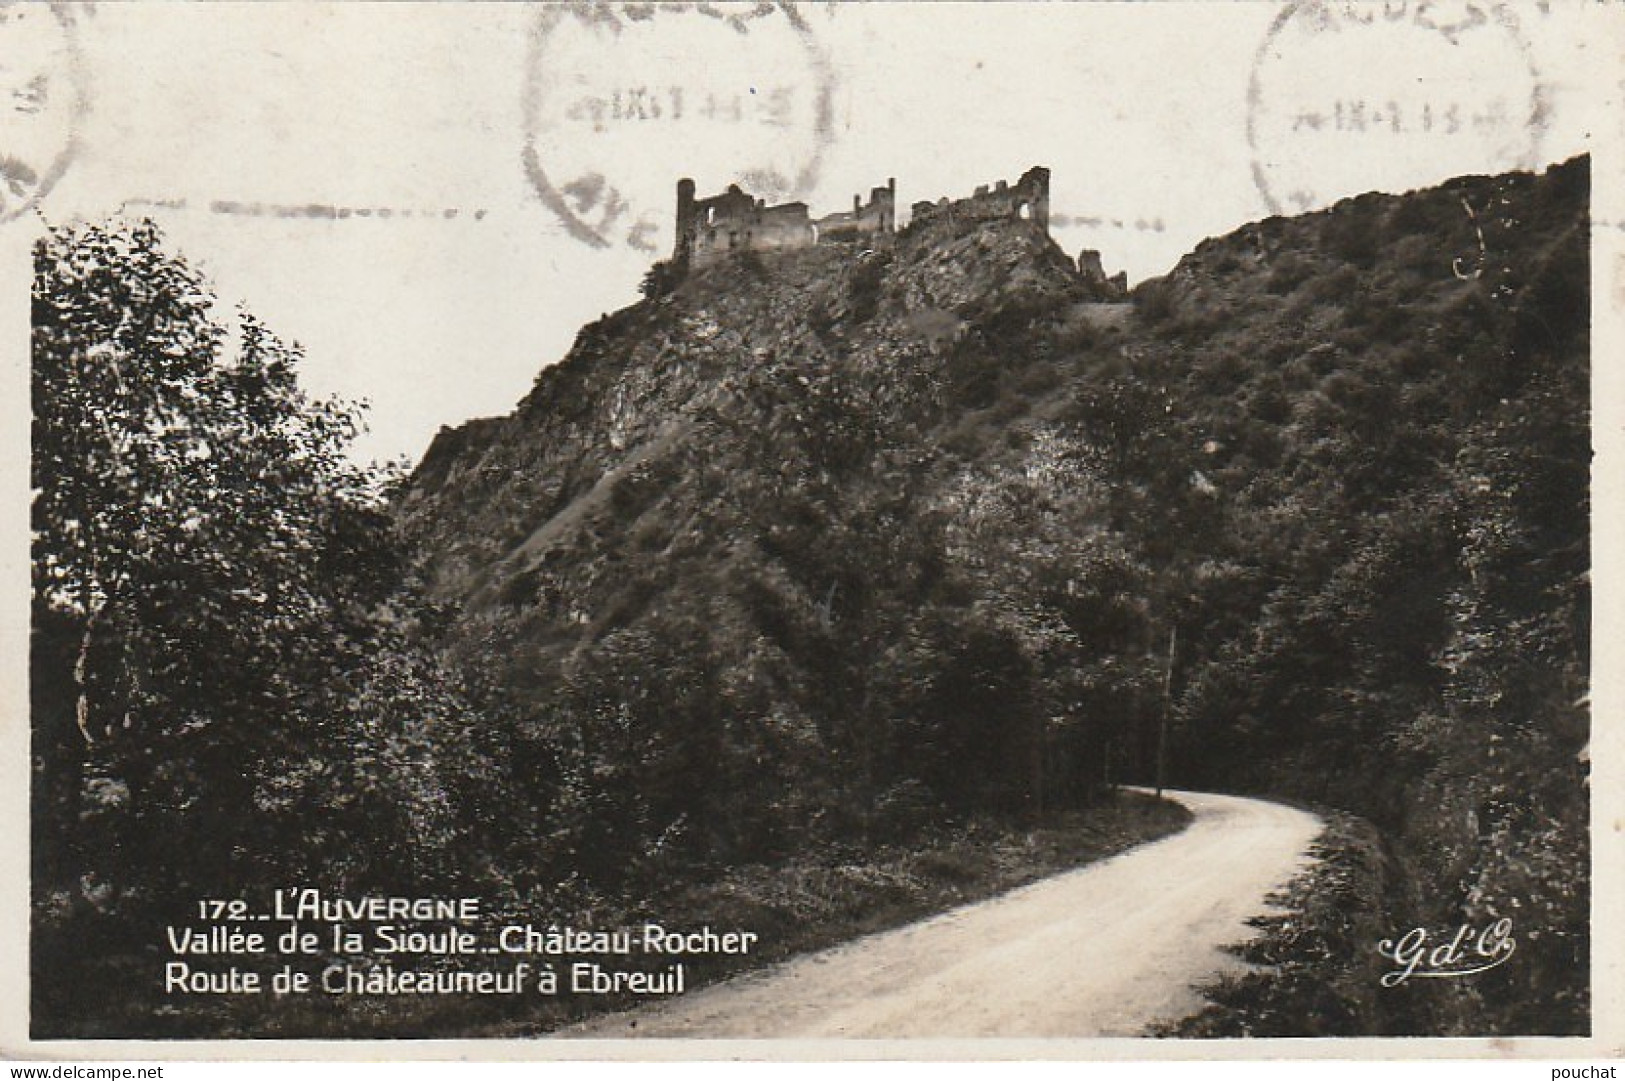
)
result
[(41, 100), (618, 99), (1379, 88)]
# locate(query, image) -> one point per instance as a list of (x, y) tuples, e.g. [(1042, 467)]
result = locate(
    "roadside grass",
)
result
[(1317, 966)]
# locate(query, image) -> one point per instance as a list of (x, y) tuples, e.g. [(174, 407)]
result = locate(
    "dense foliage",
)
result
[(224, 687), (1392, 614)]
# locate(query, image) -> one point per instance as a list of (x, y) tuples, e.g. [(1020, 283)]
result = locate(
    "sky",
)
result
[(432, 198)]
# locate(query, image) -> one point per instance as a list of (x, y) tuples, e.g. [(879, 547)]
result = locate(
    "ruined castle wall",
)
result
[(777, 228), (851, 226), (1027, 198), (751, 233), (865, 221), (858, 224), (709, 227), (722, 223), (734, 221), (712, 228)]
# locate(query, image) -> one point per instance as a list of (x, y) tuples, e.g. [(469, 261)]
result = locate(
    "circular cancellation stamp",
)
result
[(41, 100), (620, 100), (1387, 92)]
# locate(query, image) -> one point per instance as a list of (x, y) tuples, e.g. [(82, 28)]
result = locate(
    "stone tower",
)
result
[(683, 247)]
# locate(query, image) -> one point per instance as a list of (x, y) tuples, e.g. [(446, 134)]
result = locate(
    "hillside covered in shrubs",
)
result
[(836, 546)]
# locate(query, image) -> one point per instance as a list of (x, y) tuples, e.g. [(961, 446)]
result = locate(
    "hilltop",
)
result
[(836, 545)]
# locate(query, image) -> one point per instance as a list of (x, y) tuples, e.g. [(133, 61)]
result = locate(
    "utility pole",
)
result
[(1167, 708)]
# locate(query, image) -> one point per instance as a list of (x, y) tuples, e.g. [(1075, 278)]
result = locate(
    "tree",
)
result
[(661, 278), (210, 572)]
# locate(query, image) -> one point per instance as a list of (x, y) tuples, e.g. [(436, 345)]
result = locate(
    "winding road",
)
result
[(1105, 950)]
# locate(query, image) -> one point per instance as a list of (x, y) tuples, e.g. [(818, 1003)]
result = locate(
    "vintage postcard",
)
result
[(812, 530)]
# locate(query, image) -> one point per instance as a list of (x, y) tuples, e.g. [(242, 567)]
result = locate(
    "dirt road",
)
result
[(1102, 951)]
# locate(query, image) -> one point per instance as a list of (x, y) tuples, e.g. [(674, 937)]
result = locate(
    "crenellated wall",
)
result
[(1027, 199)]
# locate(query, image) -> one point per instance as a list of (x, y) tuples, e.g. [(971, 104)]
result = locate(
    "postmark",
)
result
[(619, 100), (317, 211), (1389, 92), (42, 97)]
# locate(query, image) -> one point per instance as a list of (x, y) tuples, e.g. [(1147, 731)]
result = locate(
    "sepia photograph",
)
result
[(596, 529)]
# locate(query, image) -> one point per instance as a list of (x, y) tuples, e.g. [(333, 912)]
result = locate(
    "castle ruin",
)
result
[(735, 221), (1027, 199)]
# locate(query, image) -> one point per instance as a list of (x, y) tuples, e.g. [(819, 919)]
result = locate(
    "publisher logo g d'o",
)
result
[(1469, 952)]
